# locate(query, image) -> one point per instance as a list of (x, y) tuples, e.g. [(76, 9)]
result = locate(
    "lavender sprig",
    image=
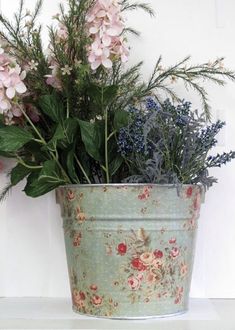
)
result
[(219, 160), (169, 143)]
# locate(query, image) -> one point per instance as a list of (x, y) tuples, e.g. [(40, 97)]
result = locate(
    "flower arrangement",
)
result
[(76, 113)]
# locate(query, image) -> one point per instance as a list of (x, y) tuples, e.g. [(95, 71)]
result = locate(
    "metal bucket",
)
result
[(130, 248)]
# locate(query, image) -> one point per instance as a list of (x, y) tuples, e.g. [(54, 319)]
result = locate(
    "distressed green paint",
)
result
[(130, 248)]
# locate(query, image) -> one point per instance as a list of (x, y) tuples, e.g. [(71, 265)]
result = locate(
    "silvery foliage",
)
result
[(175, 145)]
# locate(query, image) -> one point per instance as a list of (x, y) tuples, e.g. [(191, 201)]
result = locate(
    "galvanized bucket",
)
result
[(130, 248)]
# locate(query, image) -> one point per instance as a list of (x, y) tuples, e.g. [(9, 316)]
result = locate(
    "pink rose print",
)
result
[(172, 240), (183, 269), (150, 278), (93, 287), (138, 264), (197, 201), (78, 298), (81, 217), (145, 194), (70, 195), (77, 239), (134, 283), (122, 249), (189, 192), (82, 295), (179, 295), (154, 276), (140, 276), (175, 252), (147, 258), (158, 254), (97, 300)]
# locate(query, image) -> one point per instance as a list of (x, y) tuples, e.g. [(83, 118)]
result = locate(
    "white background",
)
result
[(32, 257)]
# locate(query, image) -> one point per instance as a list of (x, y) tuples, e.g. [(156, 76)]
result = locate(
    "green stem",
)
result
[(61, 167), (44, 142), (106, 145), (82, 169), (20, 161), (68, 108), (111, 134), (38, 140), (33, 126)]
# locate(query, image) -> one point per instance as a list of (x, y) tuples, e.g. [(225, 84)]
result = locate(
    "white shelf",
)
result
[(56, 313)]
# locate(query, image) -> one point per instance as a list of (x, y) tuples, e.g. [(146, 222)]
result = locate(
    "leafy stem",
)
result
[(111, 135), (33, 167), (82, 169), (42, 140), (106, 145), (33, 126)]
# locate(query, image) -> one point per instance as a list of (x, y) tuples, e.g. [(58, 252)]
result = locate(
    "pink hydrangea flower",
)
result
[(4, 102), (105, 26), (11, 81)]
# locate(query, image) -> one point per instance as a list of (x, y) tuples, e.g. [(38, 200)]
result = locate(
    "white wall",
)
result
[(32, 258)]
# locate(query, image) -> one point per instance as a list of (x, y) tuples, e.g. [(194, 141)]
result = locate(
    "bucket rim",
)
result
[(101, 185)]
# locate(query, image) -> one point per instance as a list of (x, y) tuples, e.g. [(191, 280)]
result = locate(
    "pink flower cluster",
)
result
[(105, 26), (62, 32), (11, 82), (53, 78)]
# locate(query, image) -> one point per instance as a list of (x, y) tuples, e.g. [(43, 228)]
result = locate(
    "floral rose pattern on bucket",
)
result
[(139, 263), (145, 275), (90, 300), (150, 273)]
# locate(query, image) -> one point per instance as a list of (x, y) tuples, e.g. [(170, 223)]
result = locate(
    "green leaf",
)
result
[(102, 96), (115, 165), (51, 173), (34, 188), (6, 154), (93, 138), (40, 154), (52, 107), (121, 119), (41, 182), (65, 134), (18, 173), (13, 138)]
